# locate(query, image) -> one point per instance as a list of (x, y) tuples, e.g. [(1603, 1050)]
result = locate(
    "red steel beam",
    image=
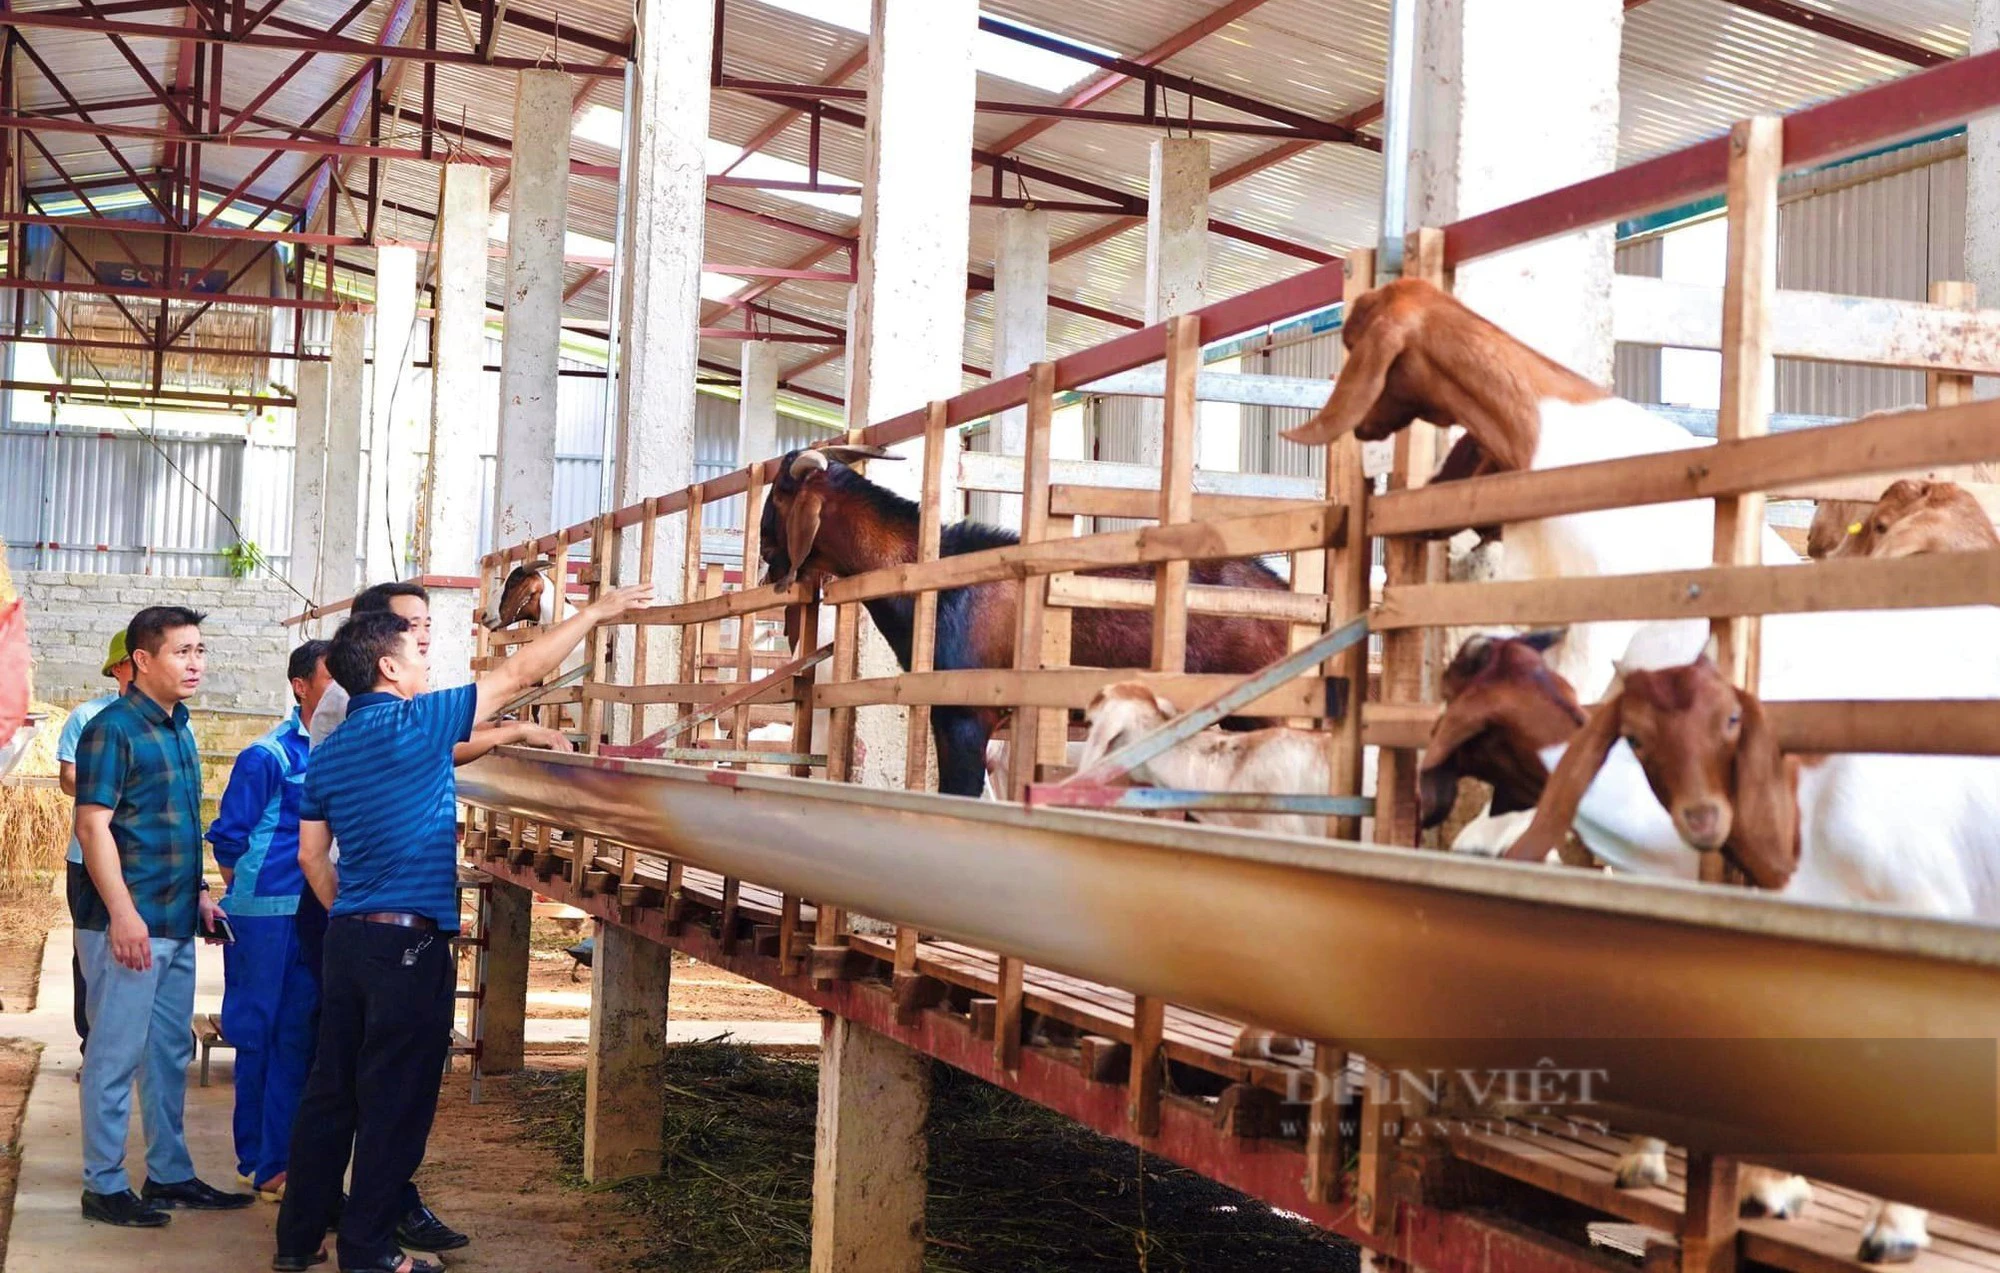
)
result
[(230, 233), (775, 338), (201, 298), (111, 391), (320, 43), (786, 118), (103, 139), (1834, 28)]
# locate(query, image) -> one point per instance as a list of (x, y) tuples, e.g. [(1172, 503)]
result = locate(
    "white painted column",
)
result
[(869, 1166), (906, 343), (525, 461), (392, 461), (660, 286), (624, 1101), (757, 413), (451, 511), (308, 477), (340, 528), (1020, 328), (1176, 254), (1507, 109), (1982, 194)]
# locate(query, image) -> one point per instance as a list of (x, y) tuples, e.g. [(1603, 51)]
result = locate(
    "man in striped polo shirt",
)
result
[(383, 784)]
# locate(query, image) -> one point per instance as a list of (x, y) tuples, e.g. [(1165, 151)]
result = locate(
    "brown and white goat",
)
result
[(823, 517), (525, 597), (1913, 517), (1416, 353)]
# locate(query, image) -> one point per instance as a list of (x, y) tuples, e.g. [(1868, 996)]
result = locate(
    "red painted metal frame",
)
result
[(1433, 1239), (1846, 32), (200, 298)]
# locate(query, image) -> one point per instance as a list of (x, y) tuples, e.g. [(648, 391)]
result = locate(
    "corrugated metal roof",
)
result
[(1690, 68)]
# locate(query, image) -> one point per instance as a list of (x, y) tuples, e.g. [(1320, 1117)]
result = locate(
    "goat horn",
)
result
[(847, 453), (808, 461)]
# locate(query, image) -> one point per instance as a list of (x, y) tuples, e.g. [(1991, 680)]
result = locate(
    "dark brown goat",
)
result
[(824, 518)]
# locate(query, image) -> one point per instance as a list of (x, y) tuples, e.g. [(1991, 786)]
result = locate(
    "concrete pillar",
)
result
[(906, 344), (392, 461), (869, 1154), (340, 528), (524, 467), (1020, 327), (660, 288), (757, 415), (308, 476), (509, 911), (458, 338), (623, 1101), (1176, 254), (1493, 125), (1982, 194)]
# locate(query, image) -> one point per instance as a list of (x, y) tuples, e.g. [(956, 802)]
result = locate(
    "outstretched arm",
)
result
[(507, 734), (545, 653)]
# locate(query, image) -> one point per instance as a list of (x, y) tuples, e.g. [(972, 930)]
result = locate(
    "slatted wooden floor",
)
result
[(1574, 1161)]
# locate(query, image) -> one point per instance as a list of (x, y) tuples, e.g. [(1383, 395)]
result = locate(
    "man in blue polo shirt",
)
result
[(383, 784), (268, 997)]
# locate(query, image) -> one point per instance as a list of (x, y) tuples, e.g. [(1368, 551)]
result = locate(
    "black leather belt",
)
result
[(400, 919)]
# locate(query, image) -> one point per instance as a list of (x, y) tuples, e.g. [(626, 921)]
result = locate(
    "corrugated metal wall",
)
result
[(1635, 369)]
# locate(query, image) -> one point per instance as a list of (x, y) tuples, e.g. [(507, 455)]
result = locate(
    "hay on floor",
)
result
[(1014, 1188), (35, 815)]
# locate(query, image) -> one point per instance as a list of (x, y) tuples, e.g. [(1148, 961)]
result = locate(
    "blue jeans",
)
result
[(136, 1019), (269, 1004)]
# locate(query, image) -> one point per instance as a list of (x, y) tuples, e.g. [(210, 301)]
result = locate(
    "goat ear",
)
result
[(1571, 779), (1764, 830), (802, 528), (1362, 379), (1164, 708)]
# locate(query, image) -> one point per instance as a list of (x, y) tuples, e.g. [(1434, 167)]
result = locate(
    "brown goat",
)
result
[(1916, 516), (824, 518), (1503, 706)]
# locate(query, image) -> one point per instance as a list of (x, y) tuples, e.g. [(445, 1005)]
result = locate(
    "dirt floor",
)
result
[(1013, 1188), (27, 912), (17, 1076), (558, 989)]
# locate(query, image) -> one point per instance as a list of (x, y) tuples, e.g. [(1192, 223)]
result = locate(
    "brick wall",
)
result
[(71, 618)]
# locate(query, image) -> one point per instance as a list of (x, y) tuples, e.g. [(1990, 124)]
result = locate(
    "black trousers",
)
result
[(311, 924), (386, 995), (75, 881)]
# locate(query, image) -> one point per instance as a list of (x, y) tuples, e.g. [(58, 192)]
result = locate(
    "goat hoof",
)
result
[(1636, 1171), (1879, 1247), (1770, 1194)]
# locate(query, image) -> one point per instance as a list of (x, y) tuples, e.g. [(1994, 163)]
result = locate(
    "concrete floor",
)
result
[(50, 1235)]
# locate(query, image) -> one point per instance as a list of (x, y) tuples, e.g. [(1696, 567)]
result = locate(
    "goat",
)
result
[(1913, 832), (824, 518), (1268, 761), (997, 775), (1915, 517), (524, 597), (1414, 352)]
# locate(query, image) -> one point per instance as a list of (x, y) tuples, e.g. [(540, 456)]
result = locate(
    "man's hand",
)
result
[(131, 944), (613, 605), (210, 908), (534, 735)]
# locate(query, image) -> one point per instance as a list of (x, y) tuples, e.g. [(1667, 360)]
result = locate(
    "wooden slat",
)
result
[(1007, 1015), (1911, 440), (1061, 687), (1816, 326), (1708, 1224), (1176, 504), (649, 538), (1326, 1149), (1143, 1089), (1941, 579), (746, 625), (779, 691), (707, 609), (980, 471), (1200, 541), (1032, 609), (1069, 500), (1348, 571), (846, 655), (1096, 592)]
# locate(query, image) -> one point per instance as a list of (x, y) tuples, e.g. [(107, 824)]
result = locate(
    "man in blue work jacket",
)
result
[(268, 999)]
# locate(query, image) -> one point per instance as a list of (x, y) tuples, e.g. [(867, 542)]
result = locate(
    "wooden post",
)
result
[(712, 585), (510, 909), (1326, 1151), (831, 929), (1709, 1221), (1347, 572), (1749, 290), (604, 542), (1943, 388), (1407, 674), (1024, 741), (1380, 1126), (623, 1101), (1176, 489), (923, 653), (869, 1152), (649, 532), (746, 625), (1149, 1022)]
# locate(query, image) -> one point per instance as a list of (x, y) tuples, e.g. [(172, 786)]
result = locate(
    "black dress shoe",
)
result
[(391, 1263), (421, 1230), (297, 1263), (125, 1209), (195, 1195)]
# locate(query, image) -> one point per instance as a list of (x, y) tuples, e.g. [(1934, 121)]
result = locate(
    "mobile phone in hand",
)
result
[(221, 931)]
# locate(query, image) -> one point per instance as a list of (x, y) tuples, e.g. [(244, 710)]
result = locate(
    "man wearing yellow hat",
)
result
[(117, 666)]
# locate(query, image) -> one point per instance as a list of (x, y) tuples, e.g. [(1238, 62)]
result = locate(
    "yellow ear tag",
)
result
[(1854, 528)]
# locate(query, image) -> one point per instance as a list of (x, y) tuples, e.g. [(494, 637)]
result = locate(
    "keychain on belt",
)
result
[(410, 955)]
